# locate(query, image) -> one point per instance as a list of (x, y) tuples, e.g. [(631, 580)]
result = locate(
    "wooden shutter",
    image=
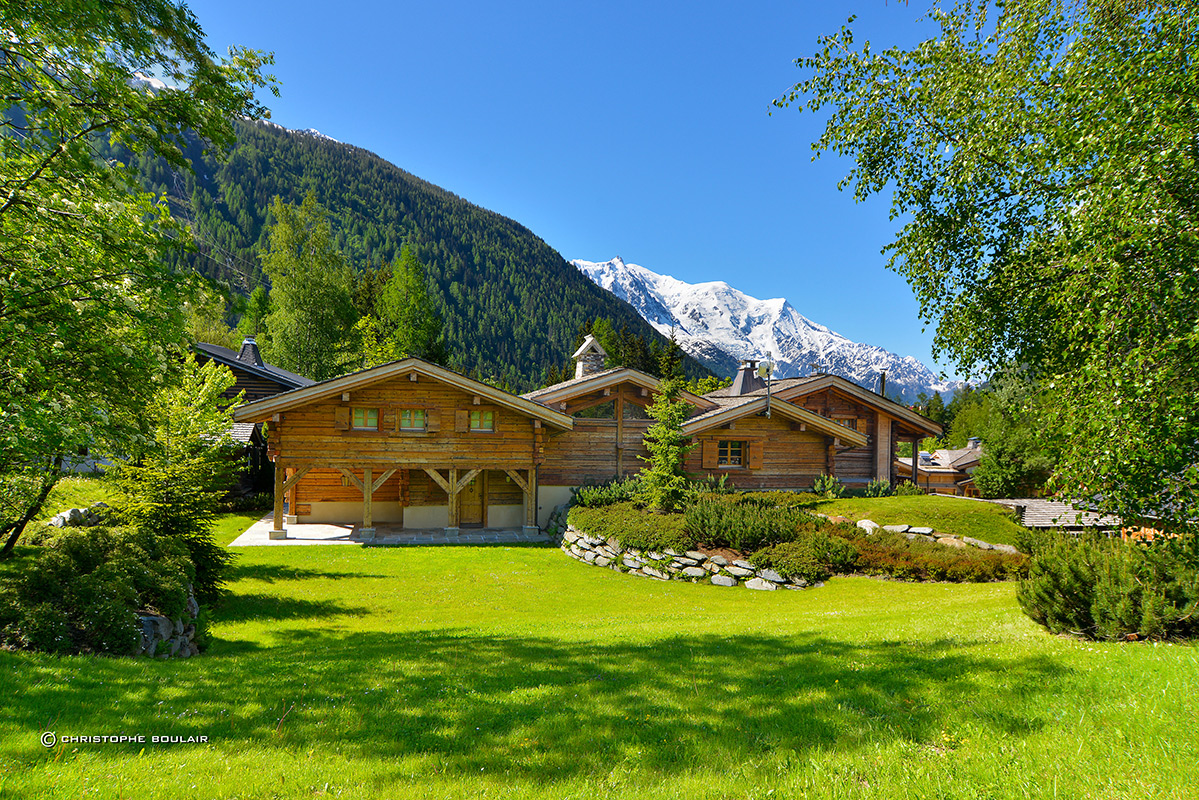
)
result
[(432, 420), (755, 454), (710, 453), (462, 420), (341, 418)]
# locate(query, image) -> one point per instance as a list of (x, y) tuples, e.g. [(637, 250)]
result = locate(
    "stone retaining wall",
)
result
[(170, 638), (698, 567)]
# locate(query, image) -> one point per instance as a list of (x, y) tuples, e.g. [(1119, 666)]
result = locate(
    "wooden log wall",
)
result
[(311, 435), (791, 459), (860, 464)]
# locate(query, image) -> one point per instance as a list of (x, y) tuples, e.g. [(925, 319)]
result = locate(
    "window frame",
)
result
[(724, 452), (366, 410), (412, 412), (483, 414)]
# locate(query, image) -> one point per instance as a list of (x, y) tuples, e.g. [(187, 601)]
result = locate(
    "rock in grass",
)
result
[(760, 585), (870, 526), (695, 572), (723, 580), (978, 543), (1005, 548), (771, 576), (952, 542), (603, 561), (896, 528), (653, 573), (740, 572), (921, 531)]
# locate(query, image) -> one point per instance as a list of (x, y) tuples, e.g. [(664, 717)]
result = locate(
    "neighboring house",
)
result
[(417, 444), (257, 380), (945, 471)]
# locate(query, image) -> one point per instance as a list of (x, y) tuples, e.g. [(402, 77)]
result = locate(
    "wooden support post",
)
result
[(883, 457), (367, 531), (916, 460), (531, 503), (452, 526), (620, 435), (277, 531)]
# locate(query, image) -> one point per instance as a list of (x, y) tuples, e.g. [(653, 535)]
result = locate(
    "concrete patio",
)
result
[(258, 535)]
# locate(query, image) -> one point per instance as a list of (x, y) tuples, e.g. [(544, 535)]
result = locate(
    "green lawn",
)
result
[(77, 491), (517, 672), (985, 521)]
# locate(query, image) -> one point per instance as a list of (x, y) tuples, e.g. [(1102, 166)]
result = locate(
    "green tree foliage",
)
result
[(664, 482), (89, 307), (254, 313), (511, 305), (171, 485), (414, 328), (1042, 155), (312, 311)]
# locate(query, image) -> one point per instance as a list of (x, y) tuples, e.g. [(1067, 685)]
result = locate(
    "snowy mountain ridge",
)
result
[(720, 326)]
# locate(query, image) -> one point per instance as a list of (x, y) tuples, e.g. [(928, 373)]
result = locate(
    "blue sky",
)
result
[(634, 129)]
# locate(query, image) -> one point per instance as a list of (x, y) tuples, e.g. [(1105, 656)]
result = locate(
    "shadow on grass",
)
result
[(269, 573), (547, 709), (245, 607)]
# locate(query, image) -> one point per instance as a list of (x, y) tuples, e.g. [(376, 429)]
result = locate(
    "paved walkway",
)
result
[(258, 534)]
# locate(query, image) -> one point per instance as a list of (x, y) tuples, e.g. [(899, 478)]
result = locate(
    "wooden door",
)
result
[(470, 503)]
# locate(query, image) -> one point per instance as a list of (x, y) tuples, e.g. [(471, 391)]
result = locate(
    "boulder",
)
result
[(670, 552), (75, 517), (799, 582), (743, 564), (909, 536), (760, 585), (868, 525), (771, 576), (632, 563), (654, 573), (978, 543), (590, 556), (58, 521), (723, 580), (602, 561), (740, 572), (1005, 548), (921, 531), (656, 556), (719, 561), (695, 572), (571, 535), (896, 528), (695, 554), (193, 608), (952, 542)]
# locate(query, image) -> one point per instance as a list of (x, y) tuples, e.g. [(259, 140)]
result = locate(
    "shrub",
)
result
[(745, 522), (780, 499), (895, 555), (813, 557), (256, 501), (82, 592), (907, 489), (828, 486), (1110, 589), (877, 488), (633, 526), (617, 490)]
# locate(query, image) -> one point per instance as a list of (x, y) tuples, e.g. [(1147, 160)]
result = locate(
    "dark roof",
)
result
[(242, 431), (775, 386), (229, 358)]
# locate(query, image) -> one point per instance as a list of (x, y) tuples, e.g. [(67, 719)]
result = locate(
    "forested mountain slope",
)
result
[(512, 305)]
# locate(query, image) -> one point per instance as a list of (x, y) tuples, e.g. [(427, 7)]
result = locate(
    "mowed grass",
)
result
[(985, 521), (517, 672)]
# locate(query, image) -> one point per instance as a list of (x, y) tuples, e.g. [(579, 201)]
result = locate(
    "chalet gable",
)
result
[(413, 369), (801, 418), (597, 387), (801, 391)]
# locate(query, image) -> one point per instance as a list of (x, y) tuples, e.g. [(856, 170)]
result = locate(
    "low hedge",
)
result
[(633, 526), (896, 556), (813, 557)]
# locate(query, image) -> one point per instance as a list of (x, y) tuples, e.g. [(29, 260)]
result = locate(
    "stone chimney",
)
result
[(747, 379), (589, 358), (249, 352)]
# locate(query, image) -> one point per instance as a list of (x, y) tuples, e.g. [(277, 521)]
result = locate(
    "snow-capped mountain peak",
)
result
[(721, 326)]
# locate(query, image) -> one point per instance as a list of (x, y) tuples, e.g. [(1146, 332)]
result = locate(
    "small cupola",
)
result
[(249, 352), (747, 379), (589, 358)]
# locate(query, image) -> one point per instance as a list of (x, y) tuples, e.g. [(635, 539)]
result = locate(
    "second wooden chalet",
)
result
[(415, 444)]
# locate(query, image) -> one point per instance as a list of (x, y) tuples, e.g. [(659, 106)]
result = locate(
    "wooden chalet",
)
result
[(419, 445)]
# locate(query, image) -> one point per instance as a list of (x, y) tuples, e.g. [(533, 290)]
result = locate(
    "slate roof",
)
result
[(242, 431), (1035, 513), (229, 357)]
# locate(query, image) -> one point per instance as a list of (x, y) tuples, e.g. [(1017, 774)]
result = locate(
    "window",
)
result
[(366, 419), (852, 424), (412, 419), (730, 454), (482, 420)]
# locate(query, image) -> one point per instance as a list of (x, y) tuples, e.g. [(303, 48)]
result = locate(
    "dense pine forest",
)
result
[(511, 305)]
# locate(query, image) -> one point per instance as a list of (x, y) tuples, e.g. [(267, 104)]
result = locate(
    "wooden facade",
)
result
[(416, 444)]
